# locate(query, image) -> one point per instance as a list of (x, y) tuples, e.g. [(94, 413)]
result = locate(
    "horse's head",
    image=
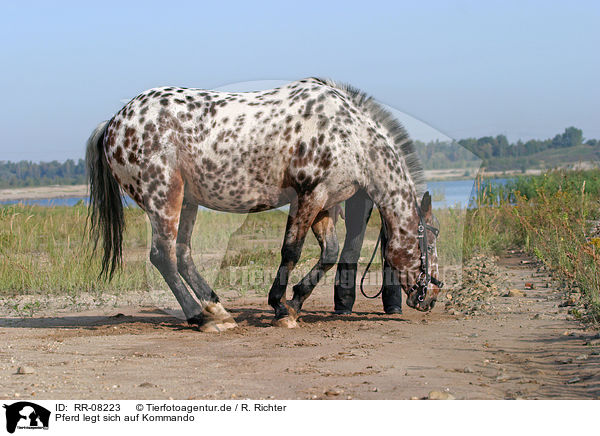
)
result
[(414, 256)]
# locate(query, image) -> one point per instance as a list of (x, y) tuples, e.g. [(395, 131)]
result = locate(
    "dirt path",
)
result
[(526, 349)]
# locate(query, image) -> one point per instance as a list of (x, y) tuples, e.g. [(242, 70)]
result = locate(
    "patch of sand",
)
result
[(525, 347), (40, 192)]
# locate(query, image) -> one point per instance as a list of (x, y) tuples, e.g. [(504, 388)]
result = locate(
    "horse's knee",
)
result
[(290, 254), (162, 253), (183, 253), (157, 255)]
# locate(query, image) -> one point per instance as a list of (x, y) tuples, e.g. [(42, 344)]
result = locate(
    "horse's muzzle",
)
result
[(425, 306), (422, 306)]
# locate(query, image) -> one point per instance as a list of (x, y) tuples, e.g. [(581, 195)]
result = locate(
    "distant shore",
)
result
[(41, 192), (72, 191), (471, 173)]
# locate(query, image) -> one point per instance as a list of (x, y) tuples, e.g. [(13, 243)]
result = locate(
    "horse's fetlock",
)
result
[(196, 320), (273, 302)]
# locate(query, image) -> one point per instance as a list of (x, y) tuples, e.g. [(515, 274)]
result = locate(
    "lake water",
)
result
[(445, 193), (451, 193), (60, 201)]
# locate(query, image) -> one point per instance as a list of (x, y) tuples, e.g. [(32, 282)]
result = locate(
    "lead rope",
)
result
[(362, 291)]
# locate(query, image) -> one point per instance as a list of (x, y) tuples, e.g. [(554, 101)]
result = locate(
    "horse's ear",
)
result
[(426, 205)]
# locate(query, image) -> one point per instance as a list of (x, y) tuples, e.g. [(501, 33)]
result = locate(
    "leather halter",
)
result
[(424, 277)]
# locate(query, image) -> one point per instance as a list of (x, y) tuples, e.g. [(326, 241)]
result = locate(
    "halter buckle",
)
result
[(424, 278)]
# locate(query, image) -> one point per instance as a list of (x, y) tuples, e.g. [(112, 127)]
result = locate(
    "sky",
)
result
[(526, 69)]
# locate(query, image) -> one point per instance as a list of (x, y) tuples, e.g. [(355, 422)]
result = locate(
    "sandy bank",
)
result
[(39, 192)]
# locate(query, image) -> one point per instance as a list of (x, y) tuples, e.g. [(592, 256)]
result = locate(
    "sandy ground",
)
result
[(528, 348), (41, 192), (73, 191)]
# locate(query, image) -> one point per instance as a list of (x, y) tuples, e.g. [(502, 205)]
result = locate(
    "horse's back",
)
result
[(236, 151)]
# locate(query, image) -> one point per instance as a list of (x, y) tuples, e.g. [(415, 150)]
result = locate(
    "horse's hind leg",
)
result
[(303, 212), (163, 253), (324, 230), (164, 258), (214, 313)]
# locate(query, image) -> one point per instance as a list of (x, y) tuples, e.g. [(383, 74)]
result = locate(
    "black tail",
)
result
[(105, 211)]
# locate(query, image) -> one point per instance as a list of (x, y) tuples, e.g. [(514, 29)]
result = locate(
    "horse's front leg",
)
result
[(324, 230), (303, 212)]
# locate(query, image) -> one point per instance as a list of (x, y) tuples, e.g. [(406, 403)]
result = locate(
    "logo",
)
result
[(26, 415)]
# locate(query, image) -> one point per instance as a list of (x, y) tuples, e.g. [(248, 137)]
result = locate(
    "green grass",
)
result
[(556, 157), (44, 250), (492, 193), (549, 216)]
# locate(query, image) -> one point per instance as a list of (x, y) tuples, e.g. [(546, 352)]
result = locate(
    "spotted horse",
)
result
[(311, 144)]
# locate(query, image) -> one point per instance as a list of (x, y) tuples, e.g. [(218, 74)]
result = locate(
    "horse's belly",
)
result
[(239, 200), (234, 177)]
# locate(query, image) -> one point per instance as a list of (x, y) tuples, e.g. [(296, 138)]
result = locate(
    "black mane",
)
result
[(402, 141)]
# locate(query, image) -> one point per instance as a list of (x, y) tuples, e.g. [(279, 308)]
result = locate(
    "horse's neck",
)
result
[(403, 243), (399, 215)]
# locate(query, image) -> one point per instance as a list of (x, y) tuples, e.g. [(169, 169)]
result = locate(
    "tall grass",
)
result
[(45, 249), (555, 227), (550, 216), (490, 192), (451, 237)]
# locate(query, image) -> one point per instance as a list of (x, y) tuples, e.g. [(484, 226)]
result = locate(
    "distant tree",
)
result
[(572, 137), (496, 152), (27, 173)]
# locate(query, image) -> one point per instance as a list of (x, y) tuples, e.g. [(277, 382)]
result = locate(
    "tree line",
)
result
[(496, 152), (27, 173)]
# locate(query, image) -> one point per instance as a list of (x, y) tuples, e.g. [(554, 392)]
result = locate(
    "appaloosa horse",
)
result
[(311, 144)]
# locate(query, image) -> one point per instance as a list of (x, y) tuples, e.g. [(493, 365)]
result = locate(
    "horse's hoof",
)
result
[(227, 324), (216, 319), (218, 326), (209, 327), (285, 322)]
